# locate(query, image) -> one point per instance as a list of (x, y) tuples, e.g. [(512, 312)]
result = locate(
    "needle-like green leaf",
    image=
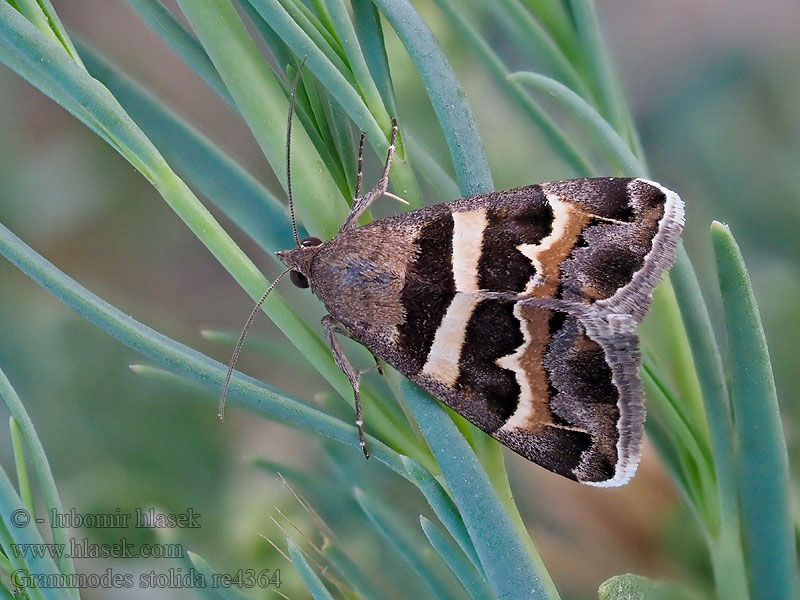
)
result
[(410, 545), (44, 475), (220, 591), (261, 100), (182, 42), (455, 559), (767, 527), (311, 579), (611, 142), (561, 142), (237, 193), (510, 567), (446, 95)]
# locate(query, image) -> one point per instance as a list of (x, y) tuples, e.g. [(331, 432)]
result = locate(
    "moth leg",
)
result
[(332, 327), (362, 203), (379, 363), (360, 172)]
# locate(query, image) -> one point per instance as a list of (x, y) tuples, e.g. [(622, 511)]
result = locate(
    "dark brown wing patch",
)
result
[(428, 289), (518, 218), (493, 332)]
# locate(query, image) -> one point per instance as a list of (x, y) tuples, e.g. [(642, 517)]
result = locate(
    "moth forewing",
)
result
[(516, 308)]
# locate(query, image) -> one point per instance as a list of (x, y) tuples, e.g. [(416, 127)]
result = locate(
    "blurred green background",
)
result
[(715, 91)]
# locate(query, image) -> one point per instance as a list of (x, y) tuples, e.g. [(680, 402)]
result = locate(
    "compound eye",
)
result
[(311, 241), (299, 279)]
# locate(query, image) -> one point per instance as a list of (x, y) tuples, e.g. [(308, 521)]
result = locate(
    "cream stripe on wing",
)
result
[(445, 352), (468, 227)]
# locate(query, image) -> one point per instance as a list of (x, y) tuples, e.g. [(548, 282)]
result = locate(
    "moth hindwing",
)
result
[(517, 309)]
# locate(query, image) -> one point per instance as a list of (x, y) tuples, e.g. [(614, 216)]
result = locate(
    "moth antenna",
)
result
[(289, 149), (240, 343)]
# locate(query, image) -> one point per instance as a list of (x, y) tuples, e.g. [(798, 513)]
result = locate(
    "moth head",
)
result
[(299, 260)]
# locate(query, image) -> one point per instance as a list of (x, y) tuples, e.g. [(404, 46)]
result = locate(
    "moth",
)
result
[(517, 308)]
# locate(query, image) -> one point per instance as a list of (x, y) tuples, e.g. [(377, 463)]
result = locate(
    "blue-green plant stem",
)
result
[(224, 182), (555, 135), (345, 143), (352, 573), (662, 441), (309, 92), (767, 527), (286, 61), (442, 504), (43, 473), (446, 95), (253, 394), (323, 38), (6, 568), (202, 567), (262, 102), (432, 172), (31, 10), (472, 581), (4, 593), (726, 554), (605, 80), (555, 20), (355, 57), (182, 42), (23, 482), (311, 579), (698, 477), (512, 566), (375, 121), (336, 78), (23, 47), (541, 46), (369, 91), (370, 33), (10, 504), (42, 14), (410, 545), (666, 332), (320, 11), (238, 194), (610, 141), (108, 116)]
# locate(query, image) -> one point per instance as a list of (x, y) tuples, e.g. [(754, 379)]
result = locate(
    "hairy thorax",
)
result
[(359, 276)]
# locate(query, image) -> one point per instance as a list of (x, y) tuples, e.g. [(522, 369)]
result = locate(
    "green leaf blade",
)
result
[(455, 559), (251, 393), (410, 545), (44, 476), (767, 526), (446, 95), (511, 570), (532, 109), (612, 144), (209, 574), (237, 193), (182, 42), (262, 102), (311, 579)]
